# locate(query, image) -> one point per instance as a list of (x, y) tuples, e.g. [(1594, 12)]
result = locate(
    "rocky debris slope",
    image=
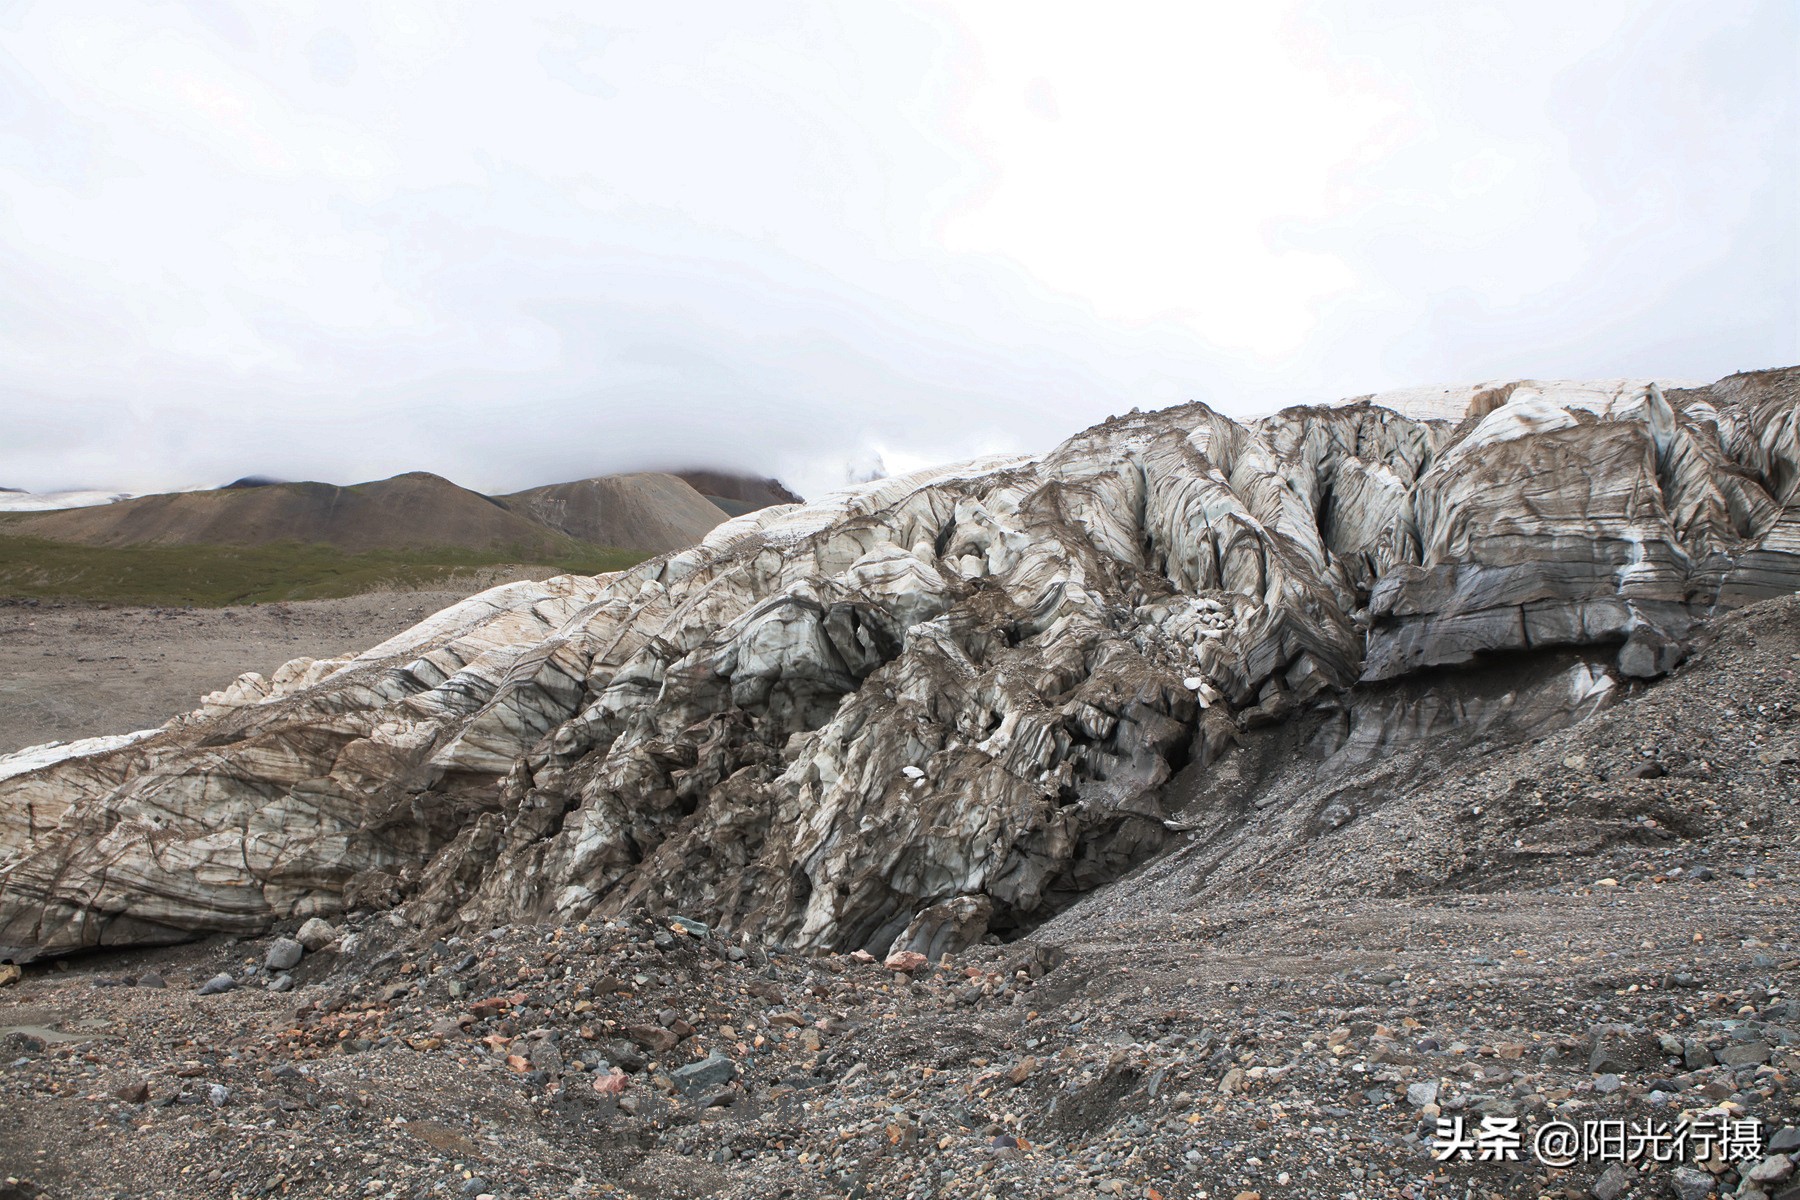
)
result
[(1275, 1049), (944, 703), (1710, 756)]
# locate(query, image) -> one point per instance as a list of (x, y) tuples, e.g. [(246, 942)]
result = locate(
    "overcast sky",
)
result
[(525, 242)]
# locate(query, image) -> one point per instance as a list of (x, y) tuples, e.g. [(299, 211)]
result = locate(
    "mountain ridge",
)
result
[(411, 510)]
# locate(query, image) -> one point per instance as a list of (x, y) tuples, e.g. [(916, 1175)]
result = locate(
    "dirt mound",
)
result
[(412, 510), (642, 511)]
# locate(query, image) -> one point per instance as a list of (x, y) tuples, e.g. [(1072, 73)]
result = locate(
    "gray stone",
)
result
[(1607, 1084), (1772, 1169), (546, 1057), (1690, 1184), (1613, 1183), (151, 979), (710, 1072), (284, 954), (316, 933), (281, 983), (1648, 653), (218, 983), (1746, 1055), (1420, 1094), (1784, 1140), (690, 926)]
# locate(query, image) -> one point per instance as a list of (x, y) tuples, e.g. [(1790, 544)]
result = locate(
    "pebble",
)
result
[(905, 960)]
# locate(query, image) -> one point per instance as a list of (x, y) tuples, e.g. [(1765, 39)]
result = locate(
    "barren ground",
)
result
[(71, 671), (1268, 1050), (1595, 924)]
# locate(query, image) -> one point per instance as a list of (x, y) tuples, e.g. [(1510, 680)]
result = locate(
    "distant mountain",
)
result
[(644, 511), (648, 511), (737, 493)]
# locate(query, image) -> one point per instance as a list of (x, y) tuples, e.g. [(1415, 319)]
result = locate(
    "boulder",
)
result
[(284, 954)]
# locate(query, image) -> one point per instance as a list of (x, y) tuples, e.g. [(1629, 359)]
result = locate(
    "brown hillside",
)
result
[(412, 510), (738, 494), (644, 511)]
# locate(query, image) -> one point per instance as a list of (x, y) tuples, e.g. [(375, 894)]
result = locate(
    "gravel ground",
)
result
[(1271, 1010), (1277, 1050), (71, 671)]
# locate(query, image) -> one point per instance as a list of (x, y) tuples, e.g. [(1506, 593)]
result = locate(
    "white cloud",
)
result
[(516, 243)]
